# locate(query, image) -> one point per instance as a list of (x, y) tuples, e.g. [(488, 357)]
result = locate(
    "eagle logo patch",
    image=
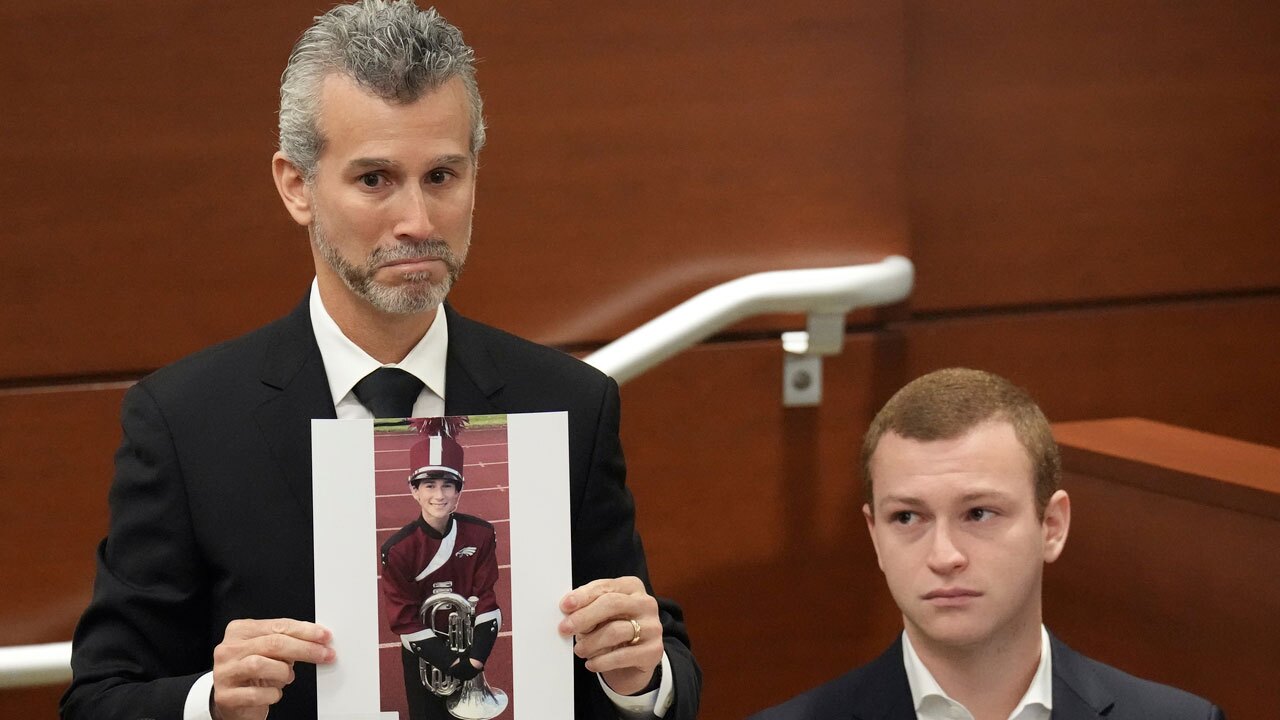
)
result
[(467, 551)]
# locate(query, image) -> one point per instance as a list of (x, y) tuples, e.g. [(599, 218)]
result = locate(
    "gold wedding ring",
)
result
[(635, 632)]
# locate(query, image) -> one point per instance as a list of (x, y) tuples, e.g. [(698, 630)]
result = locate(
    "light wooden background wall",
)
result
[(1088, 192)]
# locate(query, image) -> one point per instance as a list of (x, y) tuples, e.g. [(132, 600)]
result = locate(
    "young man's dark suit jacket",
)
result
[(211, 509), (1083, 689)]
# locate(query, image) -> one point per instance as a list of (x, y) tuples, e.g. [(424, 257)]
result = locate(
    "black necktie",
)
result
[(388, 392)]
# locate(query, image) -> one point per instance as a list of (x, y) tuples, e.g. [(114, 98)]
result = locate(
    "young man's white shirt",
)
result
[(932, 702)]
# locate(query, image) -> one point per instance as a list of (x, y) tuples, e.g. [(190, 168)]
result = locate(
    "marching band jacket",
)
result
[(418, 562)]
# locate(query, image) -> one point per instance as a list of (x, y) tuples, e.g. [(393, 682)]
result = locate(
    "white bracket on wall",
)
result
[(803, 351)]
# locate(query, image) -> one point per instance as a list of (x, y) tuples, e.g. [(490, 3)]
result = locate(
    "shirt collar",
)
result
[(924, 686), (345, 363), (1041, 689)]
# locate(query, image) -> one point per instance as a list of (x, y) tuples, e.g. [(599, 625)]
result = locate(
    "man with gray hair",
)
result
[(203, 603)]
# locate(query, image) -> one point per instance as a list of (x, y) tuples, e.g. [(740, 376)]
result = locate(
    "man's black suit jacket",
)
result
[(1083, 689), (211, 509)]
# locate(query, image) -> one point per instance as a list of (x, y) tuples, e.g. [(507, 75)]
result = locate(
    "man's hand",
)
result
[(254, 662), (603, 616)]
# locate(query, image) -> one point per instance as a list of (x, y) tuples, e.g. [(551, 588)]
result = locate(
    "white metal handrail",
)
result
[(824, 291), (816, 292), (32, 665)]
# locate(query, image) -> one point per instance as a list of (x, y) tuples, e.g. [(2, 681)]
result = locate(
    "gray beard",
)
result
[(417, 294)]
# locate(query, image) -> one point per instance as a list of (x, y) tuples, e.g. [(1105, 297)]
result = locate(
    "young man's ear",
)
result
[(871, 530), (293, 189), (1057, 521)]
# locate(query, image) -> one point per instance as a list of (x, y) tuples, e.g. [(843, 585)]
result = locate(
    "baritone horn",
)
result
[(470, 700)]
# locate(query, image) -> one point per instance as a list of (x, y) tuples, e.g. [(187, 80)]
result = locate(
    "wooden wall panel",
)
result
[(1165, 574), (644, 152), (140, 221), (1083, 152), (1206, 365), (637, 155), (38, 702), (56, 452), (751, 520), (56, 447), (1215, 470)]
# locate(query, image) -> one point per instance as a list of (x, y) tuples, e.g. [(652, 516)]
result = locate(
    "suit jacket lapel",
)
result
[(884, 693), (293, 368), (1078, 694), (472, 379)]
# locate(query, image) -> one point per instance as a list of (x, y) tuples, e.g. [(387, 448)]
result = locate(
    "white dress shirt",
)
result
[(345, 364), (933, 703)]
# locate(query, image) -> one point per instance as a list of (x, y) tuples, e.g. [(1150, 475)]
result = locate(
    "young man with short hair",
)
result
[(961, 476)]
